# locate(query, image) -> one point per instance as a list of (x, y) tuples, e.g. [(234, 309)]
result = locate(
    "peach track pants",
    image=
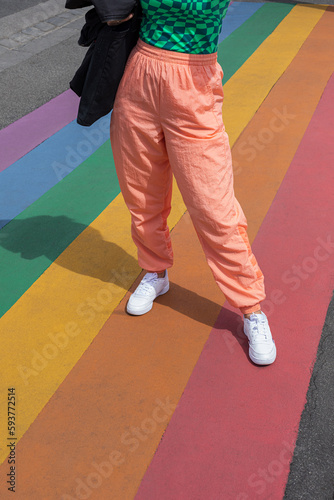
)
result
[(167, 119)]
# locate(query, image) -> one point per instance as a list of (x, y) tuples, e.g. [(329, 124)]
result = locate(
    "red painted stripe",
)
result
[(233, 432)]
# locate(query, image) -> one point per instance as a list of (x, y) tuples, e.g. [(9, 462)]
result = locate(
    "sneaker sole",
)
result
[(134, 312), (263, 362)]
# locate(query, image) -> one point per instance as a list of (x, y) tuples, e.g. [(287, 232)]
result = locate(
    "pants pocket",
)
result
[(213, 76)]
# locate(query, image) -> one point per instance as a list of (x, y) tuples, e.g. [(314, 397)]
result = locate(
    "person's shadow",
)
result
[(43, 236), (46, 237)]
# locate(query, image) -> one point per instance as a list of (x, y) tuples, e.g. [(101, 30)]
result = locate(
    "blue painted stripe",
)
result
[(30, 177), (237, 14)]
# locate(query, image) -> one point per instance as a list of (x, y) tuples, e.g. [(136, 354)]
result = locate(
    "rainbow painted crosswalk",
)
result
[(168, 406)]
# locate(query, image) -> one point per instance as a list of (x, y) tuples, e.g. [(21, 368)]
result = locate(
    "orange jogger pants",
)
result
[(167, 119)]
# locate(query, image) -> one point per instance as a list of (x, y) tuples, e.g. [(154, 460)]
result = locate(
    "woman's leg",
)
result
[(142, 164), (200, 157)]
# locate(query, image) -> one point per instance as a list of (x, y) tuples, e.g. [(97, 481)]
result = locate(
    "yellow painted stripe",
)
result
[(246, 90), (71, 301)]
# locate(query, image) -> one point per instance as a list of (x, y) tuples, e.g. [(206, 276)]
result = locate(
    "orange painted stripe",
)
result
[(113, 389)]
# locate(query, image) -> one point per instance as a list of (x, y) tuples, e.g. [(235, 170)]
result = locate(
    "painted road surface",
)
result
[(167, 405)]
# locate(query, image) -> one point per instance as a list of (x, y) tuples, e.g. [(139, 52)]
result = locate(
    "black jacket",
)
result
[(97, 79), (106, 9)]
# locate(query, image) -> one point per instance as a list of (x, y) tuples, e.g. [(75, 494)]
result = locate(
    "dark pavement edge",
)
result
[(312, 469)]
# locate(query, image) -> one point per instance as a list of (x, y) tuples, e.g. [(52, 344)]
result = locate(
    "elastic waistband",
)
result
[(175, 57)]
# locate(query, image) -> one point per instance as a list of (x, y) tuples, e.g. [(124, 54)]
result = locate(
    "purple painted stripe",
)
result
[(25, 134)]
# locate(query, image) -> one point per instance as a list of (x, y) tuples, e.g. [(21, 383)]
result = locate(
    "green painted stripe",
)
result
[(240, 45), (35, 238)]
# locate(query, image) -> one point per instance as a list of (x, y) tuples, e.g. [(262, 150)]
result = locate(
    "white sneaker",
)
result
[(262, 349), (150, 287)]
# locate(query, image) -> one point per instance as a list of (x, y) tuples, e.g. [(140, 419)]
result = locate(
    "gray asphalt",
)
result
[(34, 82), (34, 71), (8, 7)]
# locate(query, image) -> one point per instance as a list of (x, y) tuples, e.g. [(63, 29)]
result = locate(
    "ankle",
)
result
[(160, 274), (255, 312)]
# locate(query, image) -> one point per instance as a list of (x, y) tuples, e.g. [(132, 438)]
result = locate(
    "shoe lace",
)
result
[(259, 330), (147, 284)]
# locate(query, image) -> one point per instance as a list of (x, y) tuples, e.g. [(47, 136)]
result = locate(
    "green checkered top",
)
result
[(191, 26)]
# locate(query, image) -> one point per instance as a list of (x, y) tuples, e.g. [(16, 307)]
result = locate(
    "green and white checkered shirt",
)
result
[(191, 26)]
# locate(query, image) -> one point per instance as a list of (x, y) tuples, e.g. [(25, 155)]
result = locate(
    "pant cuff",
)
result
[(250, 309)]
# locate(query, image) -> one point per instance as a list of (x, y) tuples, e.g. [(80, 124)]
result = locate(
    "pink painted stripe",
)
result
[(233, 433), (25, 134)]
